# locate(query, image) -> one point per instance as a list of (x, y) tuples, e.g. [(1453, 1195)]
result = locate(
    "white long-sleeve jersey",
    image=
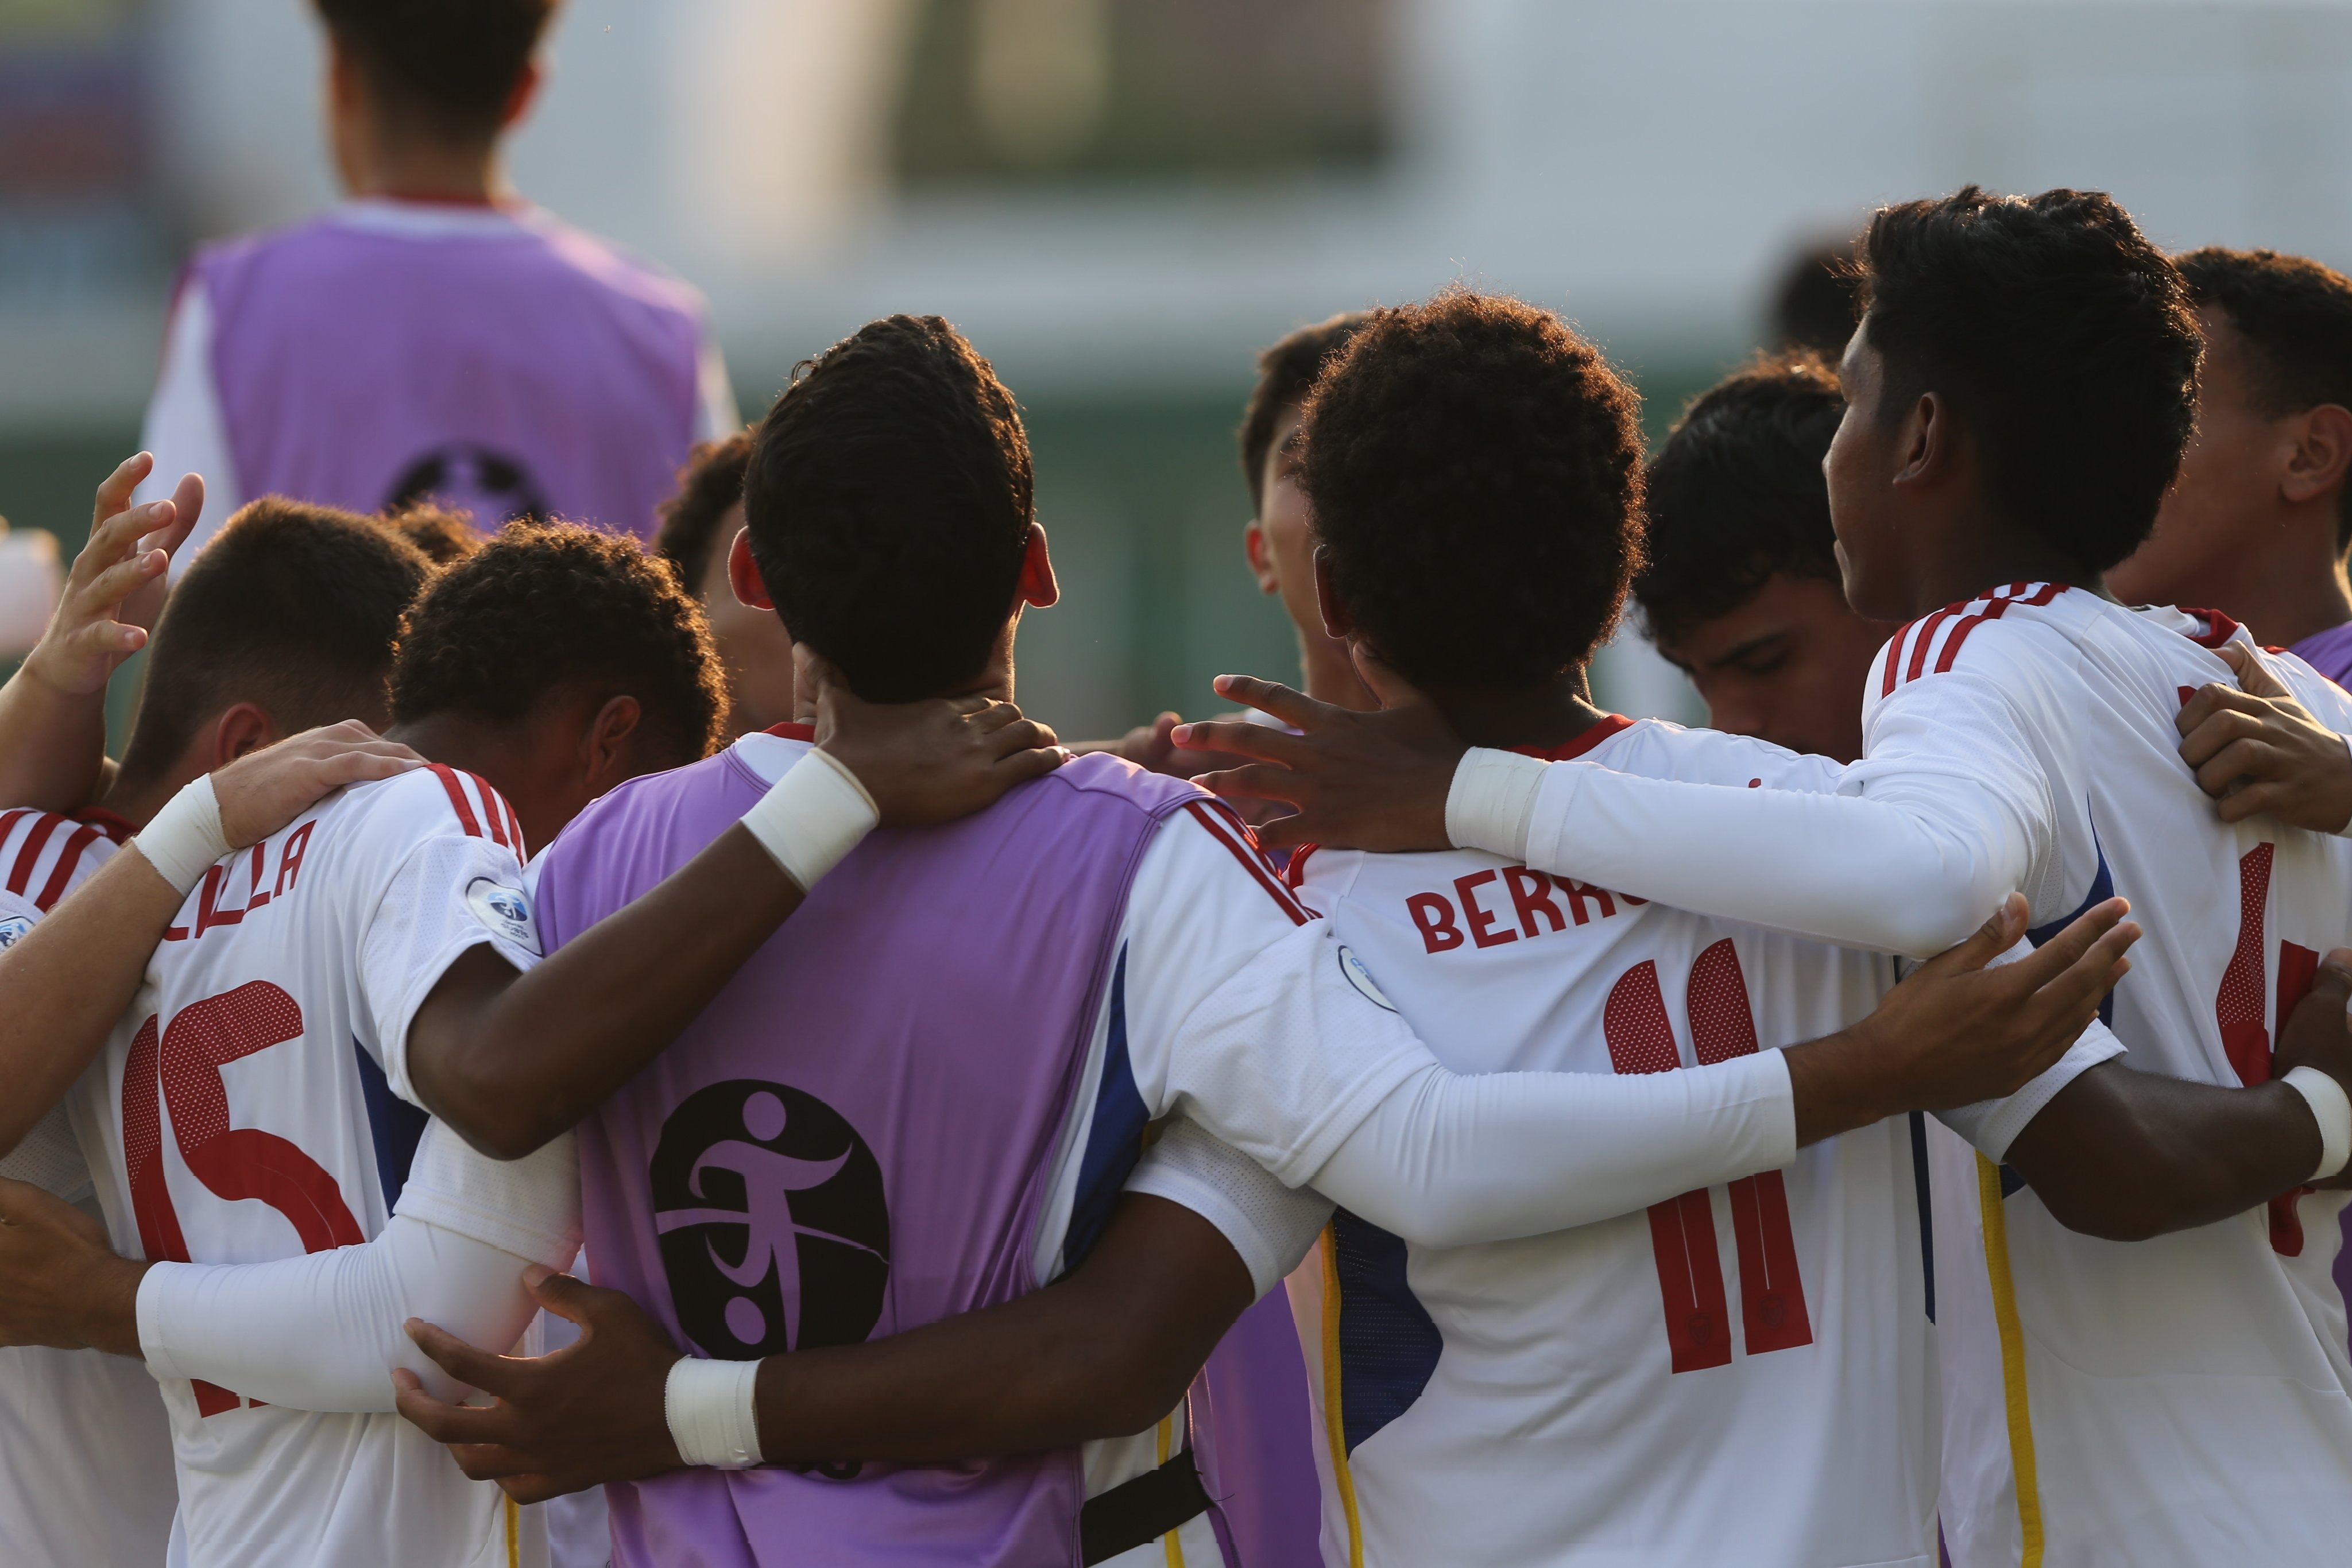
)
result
[(2183, 1400)]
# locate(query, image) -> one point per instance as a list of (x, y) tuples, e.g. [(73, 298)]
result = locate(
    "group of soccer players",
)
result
[(1336, 1132)]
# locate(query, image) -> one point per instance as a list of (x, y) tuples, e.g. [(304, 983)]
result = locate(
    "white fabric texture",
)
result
[(183, 840), (528, 1207), (1492, 800), (1270, 1226), (713, 1414), (2333, 1112), (817, 814), (322, 1332), (184, 429)]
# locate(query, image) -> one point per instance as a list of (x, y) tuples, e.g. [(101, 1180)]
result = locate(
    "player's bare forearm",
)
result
[(52, 743), (1959, 1029), (1103, 1353), (510, 1060), (2126, 1155), (68, 979)]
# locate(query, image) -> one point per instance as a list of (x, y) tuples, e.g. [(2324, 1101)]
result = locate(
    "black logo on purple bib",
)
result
[(495, 487), (775, 1234)]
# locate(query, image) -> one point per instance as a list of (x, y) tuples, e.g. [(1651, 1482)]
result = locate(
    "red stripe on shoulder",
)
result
[(69, 861), (1230, 832), (21, 874), (456, 793), (491, 815)]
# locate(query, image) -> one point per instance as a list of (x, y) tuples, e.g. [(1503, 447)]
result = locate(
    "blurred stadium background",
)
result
[(1119, 199)]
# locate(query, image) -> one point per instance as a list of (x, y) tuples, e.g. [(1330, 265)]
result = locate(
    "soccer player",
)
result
[(2018, 392), (559, 658), (2257, 524), (699, 525), (1205, 988), (292, 625), (435, 336), (1741, 588)]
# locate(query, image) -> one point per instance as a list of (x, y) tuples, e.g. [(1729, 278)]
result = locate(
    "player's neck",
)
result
[(409, 169), (2280, 595), (1981, 549), (1330, 677), (487, 751), (1543, 714)]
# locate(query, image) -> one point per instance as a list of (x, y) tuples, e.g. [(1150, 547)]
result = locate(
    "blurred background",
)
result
[(1120, 200)]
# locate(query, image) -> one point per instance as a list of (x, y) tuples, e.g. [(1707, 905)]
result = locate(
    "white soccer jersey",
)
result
[(245, 1116), (1745, 1364), (88, 1475), (2180, 1400)]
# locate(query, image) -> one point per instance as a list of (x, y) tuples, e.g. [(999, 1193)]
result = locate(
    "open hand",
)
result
[(930, 761), (263, 790), (590, 1413), (2256, 749), (61, 1283), (116, 587), (1962, 1028), (1356, 781)]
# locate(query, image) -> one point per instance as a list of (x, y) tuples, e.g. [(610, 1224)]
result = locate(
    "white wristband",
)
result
[(817, 814), (184, 838), (711, 1415), (2333, 1109), (1492, 800)]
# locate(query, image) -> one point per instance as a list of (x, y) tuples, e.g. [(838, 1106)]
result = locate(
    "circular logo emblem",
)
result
[(503, 911), (496, 489), (12, 930), (775, 1233), (1361, 979)]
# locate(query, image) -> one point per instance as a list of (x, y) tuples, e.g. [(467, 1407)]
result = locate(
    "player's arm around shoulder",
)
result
[(2260, 747)]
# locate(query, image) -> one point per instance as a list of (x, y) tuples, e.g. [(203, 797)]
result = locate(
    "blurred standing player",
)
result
[(699, 525), (436, 336), (1741, 590)]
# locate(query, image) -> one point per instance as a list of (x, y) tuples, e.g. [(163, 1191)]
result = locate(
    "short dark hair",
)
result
[(889, 501), (1474, 471), (1736, 495), (1286, 373), (543, 608), (292, 606), (445, 536), (2060, 335), (2295, 316), (1814, 305), (711, 481), (450, 66)]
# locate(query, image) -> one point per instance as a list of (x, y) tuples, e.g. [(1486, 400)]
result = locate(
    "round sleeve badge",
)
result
[(503, 911)]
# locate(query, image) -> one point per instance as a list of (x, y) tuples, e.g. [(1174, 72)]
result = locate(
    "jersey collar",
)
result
[(1577, 745)]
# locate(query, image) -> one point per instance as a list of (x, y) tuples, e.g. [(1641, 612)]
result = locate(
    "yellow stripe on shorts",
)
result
[(2013, 1362), (1335, 1431)]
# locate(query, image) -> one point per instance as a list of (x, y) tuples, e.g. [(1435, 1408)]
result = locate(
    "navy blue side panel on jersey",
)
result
[(1114, 1138), (2102, 888), (1388, 1345), (396, 1124), (1927, 1209)]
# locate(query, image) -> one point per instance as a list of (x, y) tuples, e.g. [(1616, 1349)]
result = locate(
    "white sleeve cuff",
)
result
[(1271, 1225), (528, 1207), (1492, 800), (2333, 1111), (1993, 1125)]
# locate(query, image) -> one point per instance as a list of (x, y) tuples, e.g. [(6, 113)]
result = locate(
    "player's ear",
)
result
[(607, 746), (1037, 584), (521, 96), (1338, 624), (743, 574), (1925, 444), (2322, 454), (242, 728), (1261, 557)]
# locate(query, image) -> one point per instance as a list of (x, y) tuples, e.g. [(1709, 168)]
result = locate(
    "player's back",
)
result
[(493, 358), (244, 1110), (2105, 1401), (1744, 1365)]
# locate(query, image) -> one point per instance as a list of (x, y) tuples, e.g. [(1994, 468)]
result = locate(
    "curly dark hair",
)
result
[(889, 501), (1286, 375), (445, 536), (2295, 317), (1475, 472), (543, 607), (2061, 336), (449, 66), (293, 606), (1736, 494), (711, 481)]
